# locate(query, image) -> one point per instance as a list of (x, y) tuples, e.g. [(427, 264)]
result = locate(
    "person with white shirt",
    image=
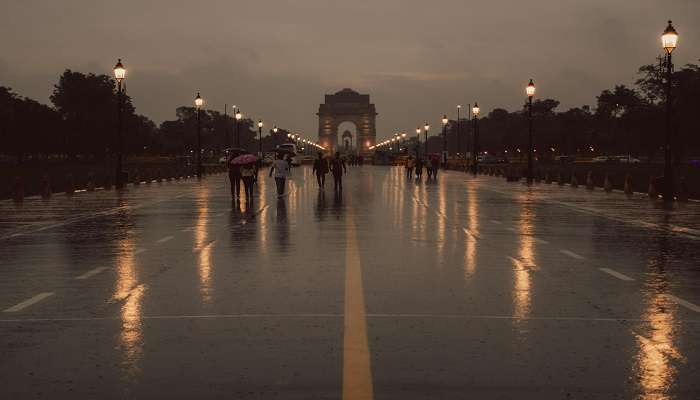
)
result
[(280, 168)]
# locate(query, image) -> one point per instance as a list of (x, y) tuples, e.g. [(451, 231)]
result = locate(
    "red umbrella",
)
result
[(244, 159)]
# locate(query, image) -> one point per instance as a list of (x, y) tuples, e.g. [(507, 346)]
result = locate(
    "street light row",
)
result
[(299, 139), (389, 142)]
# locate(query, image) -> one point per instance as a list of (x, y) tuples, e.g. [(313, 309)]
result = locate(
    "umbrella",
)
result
[(244, 159)]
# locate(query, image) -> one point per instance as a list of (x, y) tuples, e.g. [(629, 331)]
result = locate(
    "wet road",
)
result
[(461, 288)]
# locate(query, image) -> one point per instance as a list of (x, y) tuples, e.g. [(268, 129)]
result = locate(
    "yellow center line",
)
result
[(357, 374)]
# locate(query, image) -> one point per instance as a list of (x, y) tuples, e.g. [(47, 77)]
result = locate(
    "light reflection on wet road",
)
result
[(464, 287)]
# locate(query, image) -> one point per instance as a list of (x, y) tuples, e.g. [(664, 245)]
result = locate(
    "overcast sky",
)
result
[(276, 59)]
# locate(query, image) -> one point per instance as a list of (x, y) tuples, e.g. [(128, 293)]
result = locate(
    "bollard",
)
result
[(607, 186), (653, 194), (574, 181), (682, 191), (628, 185), (18, 190), (70, 184), (90, 187), (590, 185), (45, 187)]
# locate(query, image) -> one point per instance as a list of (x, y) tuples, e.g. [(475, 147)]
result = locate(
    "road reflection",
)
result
[(473, 226), (131, 293), (524, 262), (655, 339), (203, 245)]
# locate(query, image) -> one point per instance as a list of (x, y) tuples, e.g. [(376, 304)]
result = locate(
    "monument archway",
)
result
[(347, 105)]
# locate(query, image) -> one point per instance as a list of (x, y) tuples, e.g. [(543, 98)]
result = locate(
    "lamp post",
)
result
[(238, 116), (459, 126), (475, 156), (445, 120), (417, 142), (119, 75), (669, 41), (427, 128), (403, 140), (530, 91), (260, 126), (198, 102)]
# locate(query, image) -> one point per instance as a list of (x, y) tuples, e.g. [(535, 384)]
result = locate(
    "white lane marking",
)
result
[(540, 241), (165, 239), (90, 273), (21, 306), (139, 251), (616, 274), (572, 254), (187, 229), (683, 303), (493, 221), (512, 230)]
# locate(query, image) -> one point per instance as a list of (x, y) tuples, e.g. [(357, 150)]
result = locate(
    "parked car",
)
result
[(629, 160)]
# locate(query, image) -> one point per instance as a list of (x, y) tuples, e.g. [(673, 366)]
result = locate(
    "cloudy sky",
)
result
[(276, 59)]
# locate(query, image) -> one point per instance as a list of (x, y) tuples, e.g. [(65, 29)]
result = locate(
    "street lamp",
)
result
[(417, 142), (475, 156), (669, 41), (445, 120), (459, 138), (260, 126), (530, 91), (426, 127), (199, 102), (119, 75), (238, 116)]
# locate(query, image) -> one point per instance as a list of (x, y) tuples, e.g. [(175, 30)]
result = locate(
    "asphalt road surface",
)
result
[(460, 288)]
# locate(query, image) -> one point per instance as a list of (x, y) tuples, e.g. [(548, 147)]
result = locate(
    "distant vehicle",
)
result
[(628, 160), (488, 159), (601, 159), (292, 149), (565, 159)]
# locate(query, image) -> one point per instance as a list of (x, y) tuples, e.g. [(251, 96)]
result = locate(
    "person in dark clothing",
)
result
[(321, 169), (234, 175), (419, 168), (435, 165), (248, 176), (338, 168)]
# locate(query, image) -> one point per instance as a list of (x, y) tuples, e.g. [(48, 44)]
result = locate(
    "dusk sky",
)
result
[(276, 59)]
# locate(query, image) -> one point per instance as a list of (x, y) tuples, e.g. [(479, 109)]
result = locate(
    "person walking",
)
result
[(419, 168), (280, 168), (248, 176), (321, 169), (410, 163), (234, 175), (338, 168), (435, 165)]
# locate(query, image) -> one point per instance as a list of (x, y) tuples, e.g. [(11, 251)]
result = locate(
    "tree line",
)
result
[(81, 123), (625, 120)]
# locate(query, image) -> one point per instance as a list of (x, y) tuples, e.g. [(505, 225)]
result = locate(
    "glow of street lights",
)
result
[(530, 89), (476, 109), (274, 129), (260, 123), (445, 120), (198, 101), (669, 39), (119, 71), (239, 115), (426, 127)]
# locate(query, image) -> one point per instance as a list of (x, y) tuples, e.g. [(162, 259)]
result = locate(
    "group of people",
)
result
[(247, 173), (335, 166), (431, 165)]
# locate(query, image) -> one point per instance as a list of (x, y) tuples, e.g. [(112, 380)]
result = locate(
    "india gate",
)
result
[(347, 106)]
